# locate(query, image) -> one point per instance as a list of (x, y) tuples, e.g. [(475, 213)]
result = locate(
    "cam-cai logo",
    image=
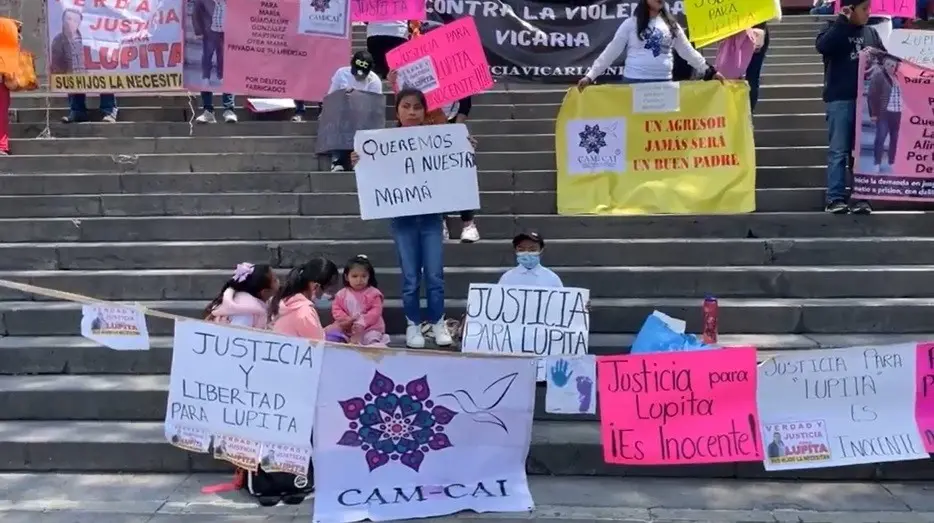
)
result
[(592, 138), (596, 145), (396, 423), (320, 5)]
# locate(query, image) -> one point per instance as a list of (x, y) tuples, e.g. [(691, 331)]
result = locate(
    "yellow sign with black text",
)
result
[(656, 148), (115, 83), (710, 21)]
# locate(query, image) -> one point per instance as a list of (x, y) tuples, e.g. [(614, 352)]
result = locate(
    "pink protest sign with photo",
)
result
[(386, 10), (924, 394), (897, 8), (894, 146), (285, 48), (447, 64), (679, 408)]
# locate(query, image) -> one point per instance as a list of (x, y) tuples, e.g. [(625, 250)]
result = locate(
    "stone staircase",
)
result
[(141, 211)]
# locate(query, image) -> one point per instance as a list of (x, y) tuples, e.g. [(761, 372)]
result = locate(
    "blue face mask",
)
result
[(529, 260), (323, 301)]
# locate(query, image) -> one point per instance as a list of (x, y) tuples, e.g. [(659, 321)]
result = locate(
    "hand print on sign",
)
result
[(396, 423), (491, 396), (560, 373)]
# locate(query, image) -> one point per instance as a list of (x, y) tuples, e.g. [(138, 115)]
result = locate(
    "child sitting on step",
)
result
[(242, 300), (359, 306)]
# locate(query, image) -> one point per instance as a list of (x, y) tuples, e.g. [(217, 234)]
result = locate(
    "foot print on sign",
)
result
[(570, 385)]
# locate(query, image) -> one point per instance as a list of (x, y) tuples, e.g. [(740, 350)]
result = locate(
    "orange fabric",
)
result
[(9, 45), (21, 77)]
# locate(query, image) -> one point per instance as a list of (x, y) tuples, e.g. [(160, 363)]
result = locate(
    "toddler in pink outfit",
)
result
[(359, 306)]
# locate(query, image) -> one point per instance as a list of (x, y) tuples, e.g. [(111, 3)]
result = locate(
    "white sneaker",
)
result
[(470, 233), (337, 168), (441, 334), (206, 117), (413, 337), (230, 116), (445, 233)]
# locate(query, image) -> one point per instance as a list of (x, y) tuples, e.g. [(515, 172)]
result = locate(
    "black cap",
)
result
[(361, 63), (528, 235)]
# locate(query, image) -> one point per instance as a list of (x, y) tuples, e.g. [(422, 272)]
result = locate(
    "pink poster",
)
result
[(898, 8), (894, 147), (447, 64), (924, 394), (285, 48), (386, 10), (679, 408)]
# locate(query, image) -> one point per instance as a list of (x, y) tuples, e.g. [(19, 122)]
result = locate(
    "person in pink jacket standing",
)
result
[(293, 310), (242, 300), (360, 303)]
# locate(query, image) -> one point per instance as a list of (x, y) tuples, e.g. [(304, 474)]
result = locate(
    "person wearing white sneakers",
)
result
[(419, 246), (207, 107), (458, 112)]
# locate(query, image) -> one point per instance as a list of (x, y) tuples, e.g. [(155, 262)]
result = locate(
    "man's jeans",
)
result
[(841, 118), (420, 247), (212, 45), (300, 107), (77, 104), (754, 72), (207, 101)]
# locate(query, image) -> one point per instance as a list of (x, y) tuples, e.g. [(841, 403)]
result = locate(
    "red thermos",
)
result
[(711, 316)]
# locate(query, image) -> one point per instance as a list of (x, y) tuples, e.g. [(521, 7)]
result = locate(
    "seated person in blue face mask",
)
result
[(529, 270)]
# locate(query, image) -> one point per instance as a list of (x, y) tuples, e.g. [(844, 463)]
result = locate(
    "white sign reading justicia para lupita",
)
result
[(406, 171), (412, 436)]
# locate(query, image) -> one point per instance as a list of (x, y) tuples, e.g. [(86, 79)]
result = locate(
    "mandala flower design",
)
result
[(653, 40), (322, 5), (396, 423), (592, 138)]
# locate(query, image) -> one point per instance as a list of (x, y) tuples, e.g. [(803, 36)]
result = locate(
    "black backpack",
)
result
[(270, 488)]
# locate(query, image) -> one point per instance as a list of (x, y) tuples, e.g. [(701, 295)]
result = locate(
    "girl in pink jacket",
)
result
[(242, 300), (293, 313), (360, 304)]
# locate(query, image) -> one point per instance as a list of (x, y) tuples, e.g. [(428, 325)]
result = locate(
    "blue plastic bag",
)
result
[(656, 336)]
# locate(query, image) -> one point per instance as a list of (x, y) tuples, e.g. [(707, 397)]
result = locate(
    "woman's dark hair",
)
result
[(254, 285), (319, 270), (364, 263), (406, 92), (643, 18)]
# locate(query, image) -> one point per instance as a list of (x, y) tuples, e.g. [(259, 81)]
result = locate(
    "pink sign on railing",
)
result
[(447, 64), (386, 10), (679, 408), (897, 8), (284, 48), (924, 394)]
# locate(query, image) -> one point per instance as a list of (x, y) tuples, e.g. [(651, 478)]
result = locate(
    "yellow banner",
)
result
[(656, 148), (710, 21), (116, 83)]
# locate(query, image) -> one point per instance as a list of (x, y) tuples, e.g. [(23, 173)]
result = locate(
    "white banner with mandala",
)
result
[(407, 435)]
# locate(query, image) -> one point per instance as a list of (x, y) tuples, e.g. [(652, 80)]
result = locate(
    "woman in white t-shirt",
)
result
[(382, 37), (647, 38)]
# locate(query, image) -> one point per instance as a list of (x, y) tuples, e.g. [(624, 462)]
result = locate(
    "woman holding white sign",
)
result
[(647, 39), (420, 245)]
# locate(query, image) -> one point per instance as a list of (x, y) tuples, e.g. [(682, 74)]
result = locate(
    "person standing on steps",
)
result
[(66, 56), (839, 44), (207, 108), (208, 21), (382, 37), (458, 112), (647, 39), (419, 245)]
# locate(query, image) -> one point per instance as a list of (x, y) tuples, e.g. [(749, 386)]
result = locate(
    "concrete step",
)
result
[(182, 162), (498, 142), (774, 281), (763, 122), (274, 228), (557, 448), (22, 185), (770, 105), (690, 252), (330, 204), (53, 356), (737, 316)]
